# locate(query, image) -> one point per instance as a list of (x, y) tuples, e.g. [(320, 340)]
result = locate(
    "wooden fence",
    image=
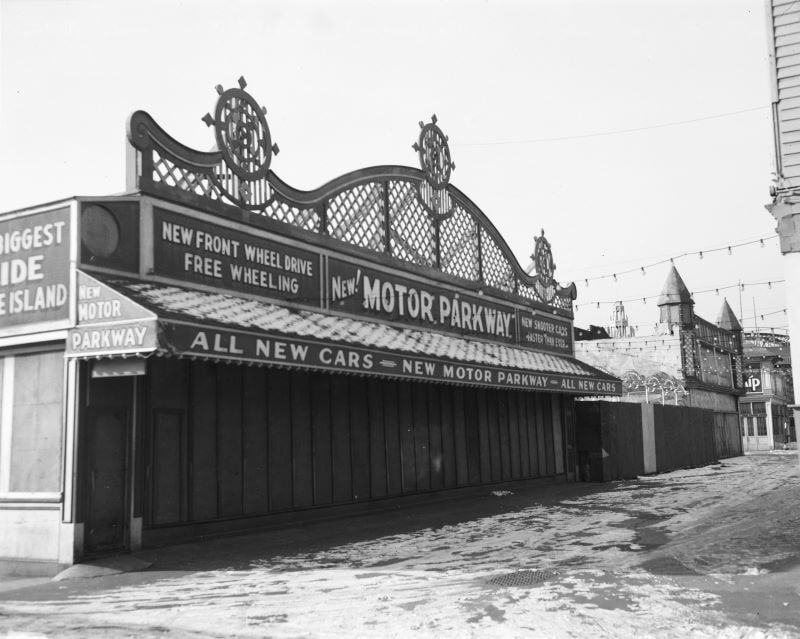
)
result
[(620, 440)]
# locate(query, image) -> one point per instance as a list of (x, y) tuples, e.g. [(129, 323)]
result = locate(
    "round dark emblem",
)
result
[(543, 260), (434, 154), (242, 134), (99, 231)]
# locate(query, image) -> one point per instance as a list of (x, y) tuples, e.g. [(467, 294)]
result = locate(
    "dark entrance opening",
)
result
[(106, 520), (107, 489)]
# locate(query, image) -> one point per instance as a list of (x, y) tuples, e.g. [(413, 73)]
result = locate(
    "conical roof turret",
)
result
[(727, 318), (674, 291)]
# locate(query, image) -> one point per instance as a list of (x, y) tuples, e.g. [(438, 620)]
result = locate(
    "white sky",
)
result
[(522, 89)]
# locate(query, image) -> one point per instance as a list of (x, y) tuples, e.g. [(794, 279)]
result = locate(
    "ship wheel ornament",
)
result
[(242, 133), (543, 260), (434, 154), (434, 158)]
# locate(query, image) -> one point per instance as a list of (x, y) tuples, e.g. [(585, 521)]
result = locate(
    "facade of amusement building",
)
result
[(767, 420), (687, 361), (216, 350)]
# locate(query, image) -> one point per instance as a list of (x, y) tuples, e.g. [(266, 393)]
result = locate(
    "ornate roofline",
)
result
[(414, 215)]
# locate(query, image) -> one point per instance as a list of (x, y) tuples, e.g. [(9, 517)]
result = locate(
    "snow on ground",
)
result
[(637, 559)]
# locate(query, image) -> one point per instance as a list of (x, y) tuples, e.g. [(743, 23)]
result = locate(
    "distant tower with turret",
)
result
[(619, 322), (675, 303)]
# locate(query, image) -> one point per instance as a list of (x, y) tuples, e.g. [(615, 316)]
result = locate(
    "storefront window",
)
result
[(35, 391)]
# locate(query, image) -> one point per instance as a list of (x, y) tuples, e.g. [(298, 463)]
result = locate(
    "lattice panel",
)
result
[(357, 216), (545, 294), (249, 194), (412, 229), (458, 245), (437, 201), (166, 172), (307, 219), (497, 271)]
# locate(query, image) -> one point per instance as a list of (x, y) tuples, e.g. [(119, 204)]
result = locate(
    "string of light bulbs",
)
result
[(739, 285), (671, 260)]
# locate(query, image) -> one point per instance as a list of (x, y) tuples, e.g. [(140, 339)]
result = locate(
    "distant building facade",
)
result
[(689, 361), (767, 420)]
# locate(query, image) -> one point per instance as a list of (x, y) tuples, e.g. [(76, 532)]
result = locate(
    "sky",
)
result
[(631, 132)]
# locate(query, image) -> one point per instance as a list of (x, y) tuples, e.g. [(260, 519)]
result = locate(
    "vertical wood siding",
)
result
[(785, 40), (227, 441)]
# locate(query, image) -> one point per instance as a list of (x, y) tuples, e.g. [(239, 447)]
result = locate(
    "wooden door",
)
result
[(107, 512)]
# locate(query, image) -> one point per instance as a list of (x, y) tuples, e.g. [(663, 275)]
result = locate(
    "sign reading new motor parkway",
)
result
[(185, 339)]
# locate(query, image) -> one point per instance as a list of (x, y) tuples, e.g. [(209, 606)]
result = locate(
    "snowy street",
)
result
[(711, 551)]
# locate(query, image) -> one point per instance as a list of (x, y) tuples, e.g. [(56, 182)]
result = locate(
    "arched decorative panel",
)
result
[(412, 215)]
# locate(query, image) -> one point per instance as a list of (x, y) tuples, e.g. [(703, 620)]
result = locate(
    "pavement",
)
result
[(708, 552)]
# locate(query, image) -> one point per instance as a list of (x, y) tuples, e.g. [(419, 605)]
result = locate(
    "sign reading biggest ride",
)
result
[(214, 255), (34, 268)]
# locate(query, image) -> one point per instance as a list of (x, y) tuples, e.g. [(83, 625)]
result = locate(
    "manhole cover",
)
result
[(523, 578)]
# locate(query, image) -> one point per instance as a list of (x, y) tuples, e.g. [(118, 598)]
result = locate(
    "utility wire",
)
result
[(606, 133)]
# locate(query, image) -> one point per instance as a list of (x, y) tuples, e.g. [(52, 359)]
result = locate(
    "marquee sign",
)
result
[(34, 273), (193, 250), (281, 350), (109, 323), (378, 294), (196, 251)]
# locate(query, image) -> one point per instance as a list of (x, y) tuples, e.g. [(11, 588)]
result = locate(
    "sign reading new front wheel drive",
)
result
[(34, 268)]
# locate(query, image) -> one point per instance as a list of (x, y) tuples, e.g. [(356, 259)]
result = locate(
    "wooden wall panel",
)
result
[(169, 384), (394, 449), (167, 441), (321, 438), (203, 437), (168, 466), (254, 441), (547, 414), (340, 440), (229, 440), (405, 414), (558, 435), (489, 413), (471, 423), (422, 458), (504, 428), (302, 458), (541, 426), (513, 434), (279, 435), (377, 438), (524, 446), (359, 438), (449, 464), (235, 441), (435, 436), (484, 438)]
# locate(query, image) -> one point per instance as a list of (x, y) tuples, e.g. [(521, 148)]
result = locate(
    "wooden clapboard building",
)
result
[(216, 348)]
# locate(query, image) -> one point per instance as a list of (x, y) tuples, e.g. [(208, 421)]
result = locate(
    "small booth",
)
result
[(216, 349)]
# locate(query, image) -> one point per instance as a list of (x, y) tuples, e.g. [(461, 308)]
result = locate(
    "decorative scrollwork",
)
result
[(414, 215), (543, 260), (434, 154), (242, 134)]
